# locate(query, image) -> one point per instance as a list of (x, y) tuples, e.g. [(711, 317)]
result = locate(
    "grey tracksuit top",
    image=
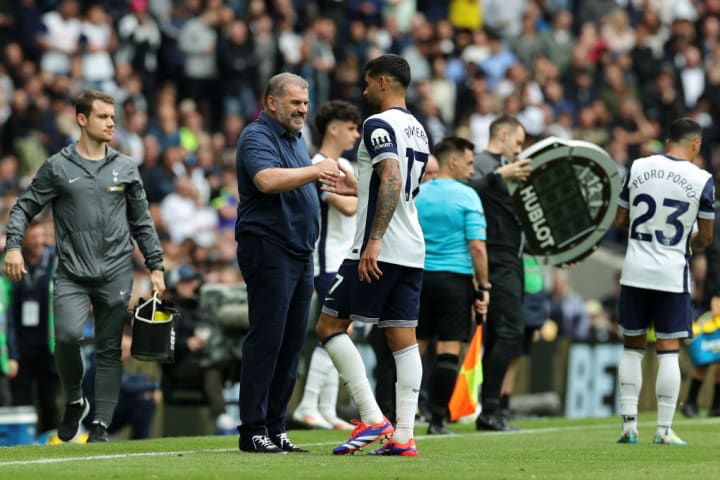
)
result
[(94, 215)]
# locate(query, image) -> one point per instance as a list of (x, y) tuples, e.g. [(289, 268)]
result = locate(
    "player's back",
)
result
[(665, 196), (392, 134)]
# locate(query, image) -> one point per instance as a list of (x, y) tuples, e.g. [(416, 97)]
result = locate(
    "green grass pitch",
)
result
[(543, 449)]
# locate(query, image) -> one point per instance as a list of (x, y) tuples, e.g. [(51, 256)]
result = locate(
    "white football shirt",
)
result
[(392, 134), (337, 231), (665, 196)]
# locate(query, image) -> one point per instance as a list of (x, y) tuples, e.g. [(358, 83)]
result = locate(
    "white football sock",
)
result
[(408, 366), (630, 378), (667, 389), (351, 368), (329, 394), (320, 365)]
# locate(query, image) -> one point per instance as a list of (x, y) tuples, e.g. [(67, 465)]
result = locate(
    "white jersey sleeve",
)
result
[(337, 231), (664, 197), (397, 135)]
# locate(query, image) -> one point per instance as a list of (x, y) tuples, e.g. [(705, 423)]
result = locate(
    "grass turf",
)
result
[(543, 449)]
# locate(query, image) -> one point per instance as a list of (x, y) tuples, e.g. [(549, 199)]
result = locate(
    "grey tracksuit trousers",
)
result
[(109, 300)]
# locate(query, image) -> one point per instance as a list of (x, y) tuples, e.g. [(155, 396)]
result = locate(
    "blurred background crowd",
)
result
[(188, 75)]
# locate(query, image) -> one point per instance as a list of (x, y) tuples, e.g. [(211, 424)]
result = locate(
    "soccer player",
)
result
[(338, 122), (380, 280), (662, 197)]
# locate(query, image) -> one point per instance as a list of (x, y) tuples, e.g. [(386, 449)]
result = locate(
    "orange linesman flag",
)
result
[(464, 398)]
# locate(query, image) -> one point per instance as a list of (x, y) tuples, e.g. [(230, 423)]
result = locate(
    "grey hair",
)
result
[(278, 83)]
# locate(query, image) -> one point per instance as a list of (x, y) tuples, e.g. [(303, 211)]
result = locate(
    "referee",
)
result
[(453, 224)]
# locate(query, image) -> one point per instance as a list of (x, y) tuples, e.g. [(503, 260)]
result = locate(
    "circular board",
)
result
[(568, 202)]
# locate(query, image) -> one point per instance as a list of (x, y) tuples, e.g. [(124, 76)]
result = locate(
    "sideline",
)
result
[(529, 431)]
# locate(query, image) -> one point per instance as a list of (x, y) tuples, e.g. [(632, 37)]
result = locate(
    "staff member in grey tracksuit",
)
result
[(99, 205)]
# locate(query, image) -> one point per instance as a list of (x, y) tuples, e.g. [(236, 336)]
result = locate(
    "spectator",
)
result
[(442, 91), (480, 119), (567, 308), (160, 179), (238, 70), (60, 38), (322, 32), (503, 16), (100, 42), (499, 60), (527, 43), (37, 381), (617, 32), (140, 39), (559, 41), (198, 42)]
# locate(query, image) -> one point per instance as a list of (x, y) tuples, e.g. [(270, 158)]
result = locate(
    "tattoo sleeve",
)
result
[(387, 197)]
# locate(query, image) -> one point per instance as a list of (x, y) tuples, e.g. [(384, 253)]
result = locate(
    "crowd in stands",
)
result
[(188, 75)]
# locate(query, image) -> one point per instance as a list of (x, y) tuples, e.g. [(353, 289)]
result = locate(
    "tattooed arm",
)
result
[(387, 199)]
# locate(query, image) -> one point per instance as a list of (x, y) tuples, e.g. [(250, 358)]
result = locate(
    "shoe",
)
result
[(507, 413), (259, 444), (282, 441), (98, 433), (363, 435), (397, 449), (670, 439), (311, 418), (438, 429), (496, 422), (631, 436), (690, 410), (338, 423), (70, 423)]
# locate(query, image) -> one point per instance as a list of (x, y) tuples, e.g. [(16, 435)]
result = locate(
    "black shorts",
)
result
[(528, 339), (446, 302)]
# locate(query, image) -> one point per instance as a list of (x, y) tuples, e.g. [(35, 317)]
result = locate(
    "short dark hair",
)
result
[(336, 110), (84, 101), (683, 129), (391, 65), (504, 121), (449, 145)]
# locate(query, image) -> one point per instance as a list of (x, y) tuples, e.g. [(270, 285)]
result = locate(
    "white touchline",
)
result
[(529, 431)]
